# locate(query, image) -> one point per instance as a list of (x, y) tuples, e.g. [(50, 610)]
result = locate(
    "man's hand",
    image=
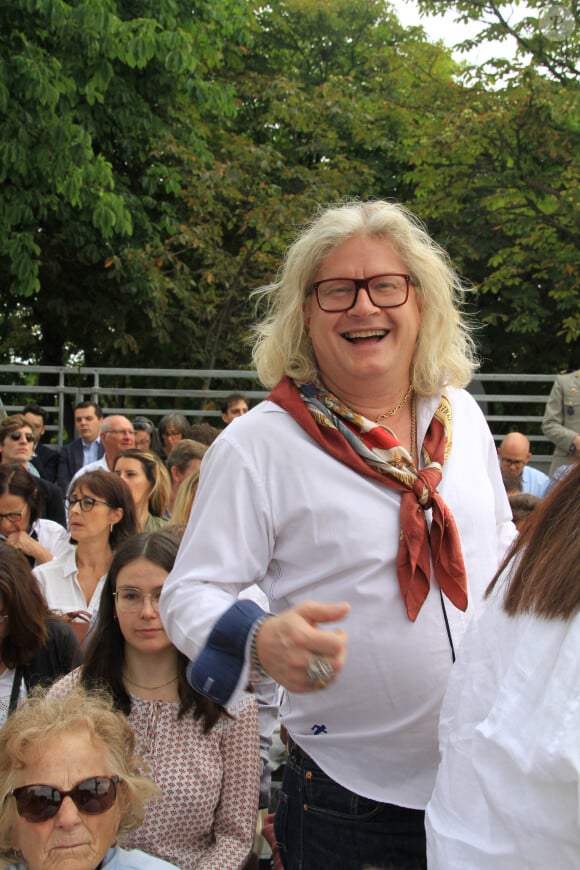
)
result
[(285, 644)]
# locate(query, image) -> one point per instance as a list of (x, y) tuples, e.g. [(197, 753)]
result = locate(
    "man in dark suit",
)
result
[(84, 449), (45, 457)]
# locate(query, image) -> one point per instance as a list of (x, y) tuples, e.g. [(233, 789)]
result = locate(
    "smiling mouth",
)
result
[(365, 335)]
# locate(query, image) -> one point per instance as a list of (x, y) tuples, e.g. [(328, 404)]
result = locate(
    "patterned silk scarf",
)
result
[(373, 450)]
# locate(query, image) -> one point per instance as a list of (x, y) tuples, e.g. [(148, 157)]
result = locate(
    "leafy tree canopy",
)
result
[(157, 161)]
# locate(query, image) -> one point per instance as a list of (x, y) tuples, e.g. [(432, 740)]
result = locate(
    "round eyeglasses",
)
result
[(13, 517), (86, 503), (131, 600), (341, 294), (17, 436)]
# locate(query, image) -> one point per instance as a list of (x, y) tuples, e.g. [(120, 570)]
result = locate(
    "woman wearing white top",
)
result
[(507, 795), (101, 513), (40, 540)]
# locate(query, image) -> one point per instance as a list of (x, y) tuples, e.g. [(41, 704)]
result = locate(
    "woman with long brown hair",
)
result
[(101, 514), (150, 485), (35, 647), (507, 791), (205, 759)]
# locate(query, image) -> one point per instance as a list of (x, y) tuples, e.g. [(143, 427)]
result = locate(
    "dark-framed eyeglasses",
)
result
[(130, 599), (384, 291), (17, 436), (13, 517), (86, 502), (513, 463), (39, 803), (118, 432)]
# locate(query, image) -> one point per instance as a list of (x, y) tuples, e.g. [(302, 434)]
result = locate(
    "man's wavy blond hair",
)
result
[(445, 351)]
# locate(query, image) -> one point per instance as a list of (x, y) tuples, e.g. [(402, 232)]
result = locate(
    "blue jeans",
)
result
[(320, 825)]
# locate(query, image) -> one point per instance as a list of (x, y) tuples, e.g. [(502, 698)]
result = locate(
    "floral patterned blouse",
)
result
[(206, 818)]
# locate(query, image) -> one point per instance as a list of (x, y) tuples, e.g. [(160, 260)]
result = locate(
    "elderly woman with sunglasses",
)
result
[(101, 514), (17, 447), (364, 498), (71, 787)]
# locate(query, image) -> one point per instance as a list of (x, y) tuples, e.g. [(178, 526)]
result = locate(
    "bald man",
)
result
[(518, 477), (117, 434)]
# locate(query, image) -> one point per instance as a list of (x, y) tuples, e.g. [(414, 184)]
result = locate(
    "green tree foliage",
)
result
[(505, 168), (88, 90), (157, 160), (327, 93)]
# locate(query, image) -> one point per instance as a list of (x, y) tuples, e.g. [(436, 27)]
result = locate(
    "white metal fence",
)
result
[(509, 401)]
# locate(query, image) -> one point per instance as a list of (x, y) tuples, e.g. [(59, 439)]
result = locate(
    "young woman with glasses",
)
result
[(101, 513), (205, 760)]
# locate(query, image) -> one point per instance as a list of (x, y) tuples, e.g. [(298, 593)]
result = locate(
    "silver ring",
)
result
[(319, 671)]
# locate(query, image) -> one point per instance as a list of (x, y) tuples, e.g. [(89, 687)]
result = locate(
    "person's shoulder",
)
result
[(50, 527), (70, 445), (59, 630), (463, 403), (62, 565), (65, 684), (134, 859), (536, 473), (47, 486)]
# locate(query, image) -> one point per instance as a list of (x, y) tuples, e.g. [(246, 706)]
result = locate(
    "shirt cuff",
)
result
[(220, 672)]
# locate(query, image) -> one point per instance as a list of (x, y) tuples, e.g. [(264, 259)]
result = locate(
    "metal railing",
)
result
[(509, 401)]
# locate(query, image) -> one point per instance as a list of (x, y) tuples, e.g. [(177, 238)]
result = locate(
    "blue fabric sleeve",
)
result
[(216, 671)]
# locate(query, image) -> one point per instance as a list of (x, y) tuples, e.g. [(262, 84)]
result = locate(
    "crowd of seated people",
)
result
[(79, 617)]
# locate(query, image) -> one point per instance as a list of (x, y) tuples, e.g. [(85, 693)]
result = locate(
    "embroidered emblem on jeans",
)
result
[(319, 729)]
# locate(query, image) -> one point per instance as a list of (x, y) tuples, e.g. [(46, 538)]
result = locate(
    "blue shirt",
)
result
[(119, 859), (91, 451), (534, 482)]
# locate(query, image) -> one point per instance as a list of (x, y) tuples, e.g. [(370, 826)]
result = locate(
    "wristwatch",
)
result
[(255, 662)]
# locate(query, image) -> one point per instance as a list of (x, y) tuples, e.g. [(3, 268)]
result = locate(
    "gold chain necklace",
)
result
[(148, 688), (414, 452), (398, 407)]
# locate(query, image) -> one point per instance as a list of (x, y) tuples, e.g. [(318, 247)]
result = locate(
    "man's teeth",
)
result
[(369, 333)]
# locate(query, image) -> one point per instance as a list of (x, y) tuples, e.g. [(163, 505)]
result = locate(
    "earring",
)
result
[(111, 529)]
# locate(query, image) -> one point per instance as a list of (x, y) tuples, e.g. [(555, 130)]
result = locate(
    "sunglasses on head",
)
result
[(16, 436), (39, 803)]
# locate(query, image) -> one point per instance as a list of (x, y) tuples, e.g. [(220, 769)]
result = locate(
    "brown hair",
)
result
[(16, 480), (105, 650), (110, 488), (12, 424), (156, 474), (545, 557), (23, 603)]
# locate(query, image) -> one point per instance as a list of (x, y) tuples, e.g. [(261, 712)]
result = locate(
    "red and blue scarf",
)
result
[(374, 450)]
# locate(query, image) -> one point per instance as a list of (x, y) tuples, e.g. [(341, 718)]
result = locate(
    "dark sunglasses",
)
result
[(16, 436), (39, 803)]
